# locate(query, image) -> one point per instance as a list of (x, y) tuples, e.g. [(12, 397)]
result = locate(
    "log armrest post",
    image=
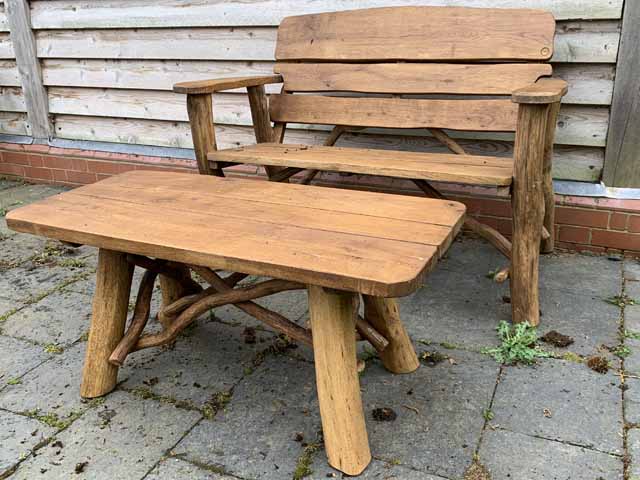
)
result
[(528, 210), (200, 110)]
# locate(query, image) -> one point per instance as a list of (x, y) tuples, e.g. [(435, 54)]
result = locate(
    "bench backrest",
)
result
[(400, 51)]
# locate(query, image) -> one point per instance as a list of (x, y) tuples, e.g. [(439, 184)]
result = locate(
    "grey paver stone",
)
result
[(176, 469), (211, 358), (121, 439), (21, 195), (17, 357), (562, 401), (19, 435), (53, 387), (633, 445), (254, 436), (510, 456), (376, 470), (60, 318), (632, 400)]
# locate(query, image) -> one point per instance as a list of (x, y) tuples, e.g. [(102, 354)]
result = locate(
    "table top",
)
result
[(373, 243)]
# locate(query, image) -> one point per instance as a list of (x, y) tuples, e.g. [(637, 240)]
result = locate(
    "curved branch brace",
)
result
[(138, 321), (273, 319), (163, 267), (214, 300)]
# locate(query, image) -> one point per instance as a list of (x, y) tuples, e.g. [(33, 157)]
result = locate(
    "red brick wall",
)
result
[(594, 224)]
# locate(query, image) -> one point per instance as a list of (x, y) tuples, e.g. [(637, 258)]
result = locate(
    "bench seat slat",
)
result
[(191, 227), (411, 78), (470, 169), (473, 115)]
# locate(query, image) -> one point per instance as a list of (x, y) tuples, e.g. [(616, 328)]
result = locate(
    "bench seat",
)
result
[(469, 169)]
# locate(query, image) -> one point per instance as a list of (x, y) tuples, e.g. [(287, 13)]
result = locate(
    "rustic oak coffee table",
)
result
[(337, 244)]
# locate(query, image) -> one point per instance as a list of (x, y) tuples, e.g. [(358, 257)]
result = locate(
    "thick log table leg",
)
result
[(383, 314), (110, 303), (333, 326)]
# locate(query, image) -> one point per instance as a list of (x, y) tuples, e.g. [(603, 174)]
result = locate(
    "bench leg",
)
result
[(110, 303), (384, 315), (333, 326), (528, 212)]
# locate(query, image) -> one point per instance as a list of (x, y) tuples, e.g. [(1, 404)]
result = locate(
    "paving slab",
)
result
[(18, 248), (590, 321), (17, 357), (19, 435), (60, 318), (457, 308), (211, 358), (254, 437), (377, 470), (562, 401), (53, 387), (439, 408), (279, 399), (121, 439), (11, 198), (632, 400), (633, 445), (513, 456), (19, 285), (175, 469)]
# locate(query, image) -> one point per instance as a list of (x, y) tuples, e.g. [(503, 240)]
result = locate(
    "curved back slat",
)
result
[(415, 34)]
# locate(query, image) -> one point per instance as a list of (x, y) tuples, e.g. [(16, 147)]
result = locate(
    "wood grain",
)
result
[(410, 78), (333, 321), (110, 303), (384, 315), (202, 132), (473, 115), (528, 212), (479, 170), (418, 34), (356, 260)]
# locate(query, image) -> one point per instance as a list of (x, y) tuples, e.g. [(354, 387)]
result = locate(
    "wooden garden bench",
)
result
[(337, 244), (412, 68)]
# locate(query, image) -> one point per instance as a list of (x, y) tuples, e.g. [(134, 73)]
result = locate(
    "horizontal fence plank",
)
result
[(146, 74), (12, 100), (580, 42), (589, 84), (574, 163), (14, 123), (180, 13), (576, 125), (587, 42), (6, 48), (9, 74)]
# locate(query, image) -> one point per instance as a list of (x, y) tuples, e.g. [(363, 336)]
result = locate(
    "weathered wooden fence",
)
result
[(108, 67)]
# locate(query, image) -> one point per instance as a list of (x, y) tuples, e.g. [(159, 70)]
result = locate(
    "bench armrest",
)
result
[(220, 84), (545, 90)]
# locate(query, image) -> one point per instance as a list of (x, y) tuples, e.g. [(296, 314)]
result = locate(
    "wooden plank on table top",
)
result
[(400, 207), (169, 197), (480, 170), (351, 262)]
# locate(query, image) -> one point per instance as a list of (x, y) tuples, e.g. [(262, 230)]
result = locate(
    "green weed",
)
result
[(519, 344)]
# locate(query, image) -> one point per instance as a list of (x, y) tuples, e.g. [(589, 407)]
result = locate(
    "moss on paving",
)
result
[(303, 466), (52, 419)]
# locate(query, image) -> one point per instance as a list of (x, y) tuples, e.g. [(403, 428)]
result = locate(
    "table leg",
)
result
[(333, 317), (110, 303), (384, 315)]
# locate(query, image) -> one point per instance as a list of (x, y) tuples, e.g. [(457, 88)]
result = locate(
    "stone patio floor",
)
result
[(217, 407)]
